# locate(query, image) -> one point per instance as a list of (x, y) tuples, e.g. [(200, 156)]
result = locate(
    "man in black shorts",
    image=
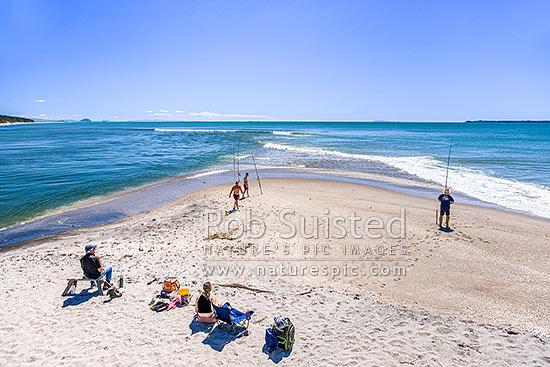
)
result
[(446, 200), (236, 191)]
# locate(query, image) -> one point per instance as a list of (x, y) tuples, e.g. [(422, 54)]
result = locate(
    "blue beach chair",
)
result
[(232, 317)]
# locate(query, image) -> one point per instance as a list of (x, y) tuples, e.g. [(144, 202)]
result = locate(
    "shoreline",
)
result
[(39, 240), (34, 122), (186, 184)]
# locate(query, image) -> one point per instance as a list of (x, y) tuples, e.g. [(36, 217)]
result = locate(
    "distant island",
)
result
[(85, 120), (5, 119)]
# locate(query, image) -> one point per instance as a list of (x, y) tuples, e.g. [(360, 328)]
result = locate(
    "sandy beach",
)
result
[(476, 296)]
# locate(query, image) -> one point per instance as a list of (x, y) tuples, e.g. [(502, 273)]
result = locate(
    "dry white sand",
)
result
[(476, 296)]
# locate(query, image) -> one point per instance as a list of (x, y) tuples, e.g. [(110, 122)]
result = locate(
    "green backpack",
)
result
[(284, 330)]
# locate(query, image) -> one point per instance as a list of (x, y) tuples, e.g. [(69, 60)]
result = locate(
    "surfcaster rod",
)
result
[(238, 162), (233, 149), (257, 175), (448, 163), (446, 178)]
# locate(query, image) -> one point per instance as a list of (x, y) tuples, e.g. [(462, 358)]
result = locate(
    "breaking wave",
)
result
[(517, 195)]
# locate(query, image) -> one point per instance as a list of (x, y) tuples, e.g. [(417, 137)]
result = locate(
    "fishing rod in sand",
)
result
[(446, 178), (257, 175), (233, 149), (448, 163), (238, 167)]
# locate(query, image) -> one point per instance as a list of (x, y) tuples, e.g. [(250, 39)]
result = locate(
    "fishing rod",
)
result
[(448, 163), (233, 149), (238, 169), (257, 176)]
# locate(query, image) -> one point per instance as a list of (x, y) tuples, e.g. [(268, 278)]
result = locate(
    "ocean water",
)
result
[(45, 167)]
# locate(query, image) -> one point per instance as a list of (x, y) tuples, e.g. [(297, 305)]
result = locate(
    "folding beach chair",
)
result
[(232, 317)]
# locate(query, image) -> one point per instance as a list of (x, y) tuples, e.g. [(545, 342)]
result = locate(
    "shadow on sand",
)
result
[(277, 355), (219, 337), (199, 327), (79, 298), (445, 229)]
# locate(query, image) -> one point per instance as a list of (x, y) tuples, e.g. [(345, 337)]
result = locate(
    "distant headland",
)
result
[(5, 119)]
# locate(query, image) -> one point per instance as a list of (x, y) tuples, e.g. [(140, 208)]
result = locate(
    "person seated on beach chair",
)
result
[(227, 315), (203, 305), (93, 269)]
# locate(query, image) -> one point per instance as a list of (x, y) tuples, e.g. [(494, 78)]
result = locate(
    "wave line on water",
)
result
[(509, 193), (274, 132)]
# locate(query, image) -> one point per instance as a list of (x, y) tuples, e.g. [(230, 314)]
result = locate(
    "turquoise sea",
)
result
[(49, 166)]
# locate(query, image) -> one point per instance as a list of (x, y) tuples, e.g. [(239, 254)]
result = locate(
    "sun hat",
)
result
[(89, 247), (446, 190)]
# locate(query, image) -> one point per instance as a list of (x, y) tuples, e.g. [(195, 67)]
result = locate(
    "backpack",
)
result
[(284, 331), (271, 340), (114, 293)]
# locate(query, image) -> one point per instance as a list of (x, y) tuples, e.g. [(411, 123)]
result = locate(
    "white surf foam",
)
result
[(523, 196), (290, 133), (195, 130), (286, 133), (208, 173)]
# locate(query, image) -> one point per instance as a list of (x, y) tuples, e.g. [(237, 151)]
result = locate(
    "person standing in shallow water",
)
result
[(236, 191), (445, 209)]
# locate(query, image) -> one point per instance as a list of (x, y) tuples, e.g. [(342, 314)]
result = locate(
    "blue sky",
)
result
[(287, 60)]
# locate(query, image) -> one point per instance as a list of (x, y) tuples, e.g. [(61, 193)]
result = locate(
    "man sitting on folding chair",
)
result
[(234, 318), (92, 266)]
